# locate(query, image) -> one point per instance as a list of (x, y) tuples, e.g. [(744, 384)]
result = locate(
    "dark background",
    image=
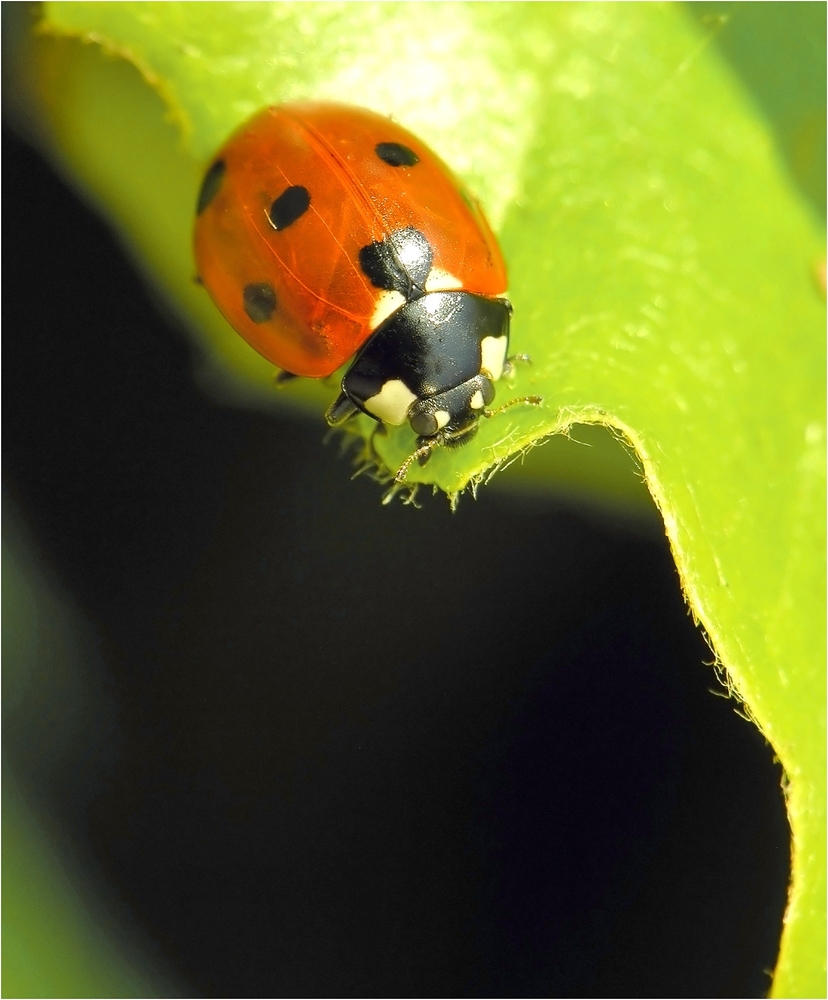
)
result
[(355, 750)]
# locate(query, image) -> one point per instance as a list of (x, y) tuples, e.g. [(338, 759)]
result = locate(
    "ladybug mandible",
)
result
[(325, 231)]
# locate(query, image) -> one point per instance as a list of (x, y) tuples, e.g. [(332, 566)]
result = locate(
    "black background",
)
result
[(364, 751)]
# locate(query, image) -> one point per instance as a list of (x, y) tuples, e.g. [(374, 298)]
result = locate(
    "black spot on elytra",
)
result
[(396, 155), (292, 203), (400, 263), (259, 301), (210, 185)]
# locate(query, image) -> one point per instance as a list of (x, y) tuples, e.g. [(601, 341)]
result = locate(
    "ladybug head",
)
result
[(432, 364), (464, 410), (452, 416)]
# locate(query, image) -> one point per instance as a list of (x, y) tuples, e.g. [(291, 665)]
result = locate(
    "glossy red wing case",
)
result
[(323, 304)]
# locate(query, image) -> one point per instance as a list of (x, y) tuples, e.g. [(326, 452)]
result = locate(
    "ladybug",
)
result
[(326, 232)]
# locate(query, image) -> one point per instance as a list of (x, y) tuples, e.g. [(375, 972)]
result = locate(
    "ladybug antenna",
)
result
[(419, 455), (529, 400)]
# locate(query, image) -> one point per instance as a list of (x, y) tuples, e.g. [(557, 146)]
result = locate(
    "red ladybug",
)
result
[(325, 230)]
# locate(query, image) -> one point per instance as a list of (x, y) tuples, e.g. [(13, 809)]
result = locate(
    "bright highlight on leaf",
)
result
[(662, 272)]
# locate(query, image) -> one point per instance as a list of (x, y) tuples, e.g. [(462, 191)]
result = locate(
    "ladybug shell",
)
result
[(288, 204)]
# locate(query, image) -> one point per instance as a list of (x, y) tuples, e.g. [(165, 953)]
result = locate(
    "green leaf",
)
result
[(40, 904), (662, 265), (53, 945)]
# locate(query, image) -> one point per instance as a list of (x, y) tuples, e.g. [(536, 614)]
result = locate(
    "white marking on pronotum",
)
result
[(391, 403), (441, 281), (442, 417), (476, 402), (388, 302), (493, 355)]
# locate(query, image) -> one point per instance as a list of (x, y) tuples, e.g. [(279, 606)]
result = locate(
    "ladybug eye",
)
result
[(424, 424)]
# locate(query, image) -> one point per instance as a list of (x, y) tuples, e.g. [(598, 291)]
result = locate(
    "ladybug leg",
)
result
[(373, 454), (509, 364), (282, 378), (368, 459), (340, 410), (379, 429)]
